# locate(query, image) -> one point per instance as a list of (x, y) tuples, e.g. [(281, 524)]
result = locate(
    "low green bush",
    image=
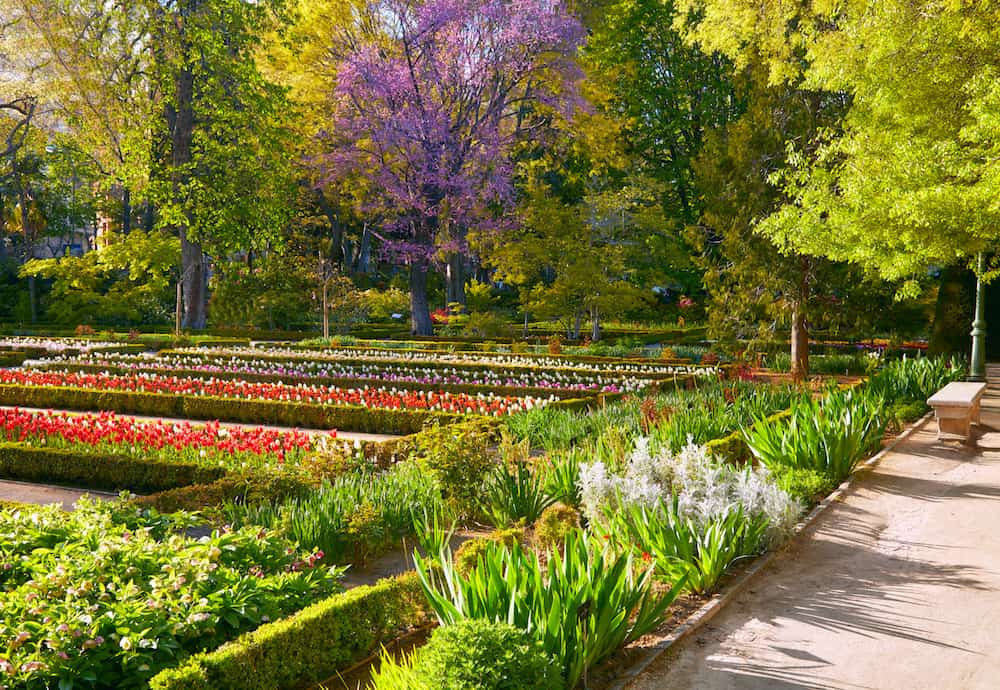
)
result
[(99, 471), (472, 655), (307, 647), (556, 521), (807, 485), (460, 458), (245, 489)]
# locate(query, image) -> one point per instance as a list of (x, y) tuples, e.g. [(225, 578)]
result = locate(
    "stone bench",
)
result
[(956, 407)]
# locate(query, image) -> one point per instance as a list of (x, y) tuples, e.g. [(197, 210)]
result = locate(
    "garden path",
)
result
[(341, 435), (896, 586), (45, 494)]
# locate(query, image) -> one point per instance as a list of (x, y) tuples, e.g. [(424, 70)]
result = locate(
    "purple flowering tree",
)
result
[(432, 96)]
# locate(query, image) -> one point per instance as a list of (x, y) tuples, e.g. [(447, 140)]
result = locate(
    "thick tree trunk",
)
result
[(29, 234), (420, 312), (595, 324), (336, 229), (577, 325), (800, 343), (455, 279), (180, 119), (194, 279), (365, 250)]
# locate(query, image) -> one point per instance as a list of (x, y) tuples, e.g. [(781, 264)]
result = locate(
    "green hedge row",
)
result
[(12, 358), (238, 488), (98, 471), (307, 647), (292, 414), (340, 382)]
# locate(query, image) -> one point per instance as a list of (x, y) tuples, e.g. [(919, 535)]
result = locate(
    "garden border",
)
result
[(713, 606)]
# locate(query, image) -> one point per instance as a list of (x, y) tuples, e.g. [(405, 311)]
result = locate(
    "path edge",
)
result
[(709, 609)]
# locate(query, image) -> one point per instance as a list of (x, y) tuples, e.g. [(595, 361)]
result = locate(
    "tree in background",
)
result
[(432, 97), (910, 176)]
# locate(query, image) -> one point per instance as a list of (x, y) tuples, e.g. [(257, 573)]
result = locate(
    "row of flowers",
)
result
[(620, 367), (109, 433), (372, 372), (376, 398), (54, 345)]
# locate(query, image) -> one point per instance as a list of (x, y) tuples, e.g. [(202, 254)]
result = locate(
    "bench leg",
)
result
[(954, 428), (975, 412)]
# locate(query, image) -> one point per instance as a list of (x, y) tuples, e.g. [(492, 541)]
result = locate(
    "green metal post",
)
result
[(977, 367)]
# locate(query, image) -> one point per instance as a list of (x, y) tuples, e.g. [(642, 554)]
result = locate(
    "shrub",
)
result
[(561, 474), (915, 379), (555, 523), (581, 606), (469, 552), (472, 655), (460, 459), (307, 647), (807, 485), (555, 345)]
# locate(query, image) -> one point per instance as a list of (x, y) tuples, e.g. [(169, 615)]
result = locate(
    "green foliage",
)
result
[(95, 470), (472, 655), (554, 524), (829, 436), (125, 282), (560, 471), (430, 530), (382, 304), (275, 293), (307, 647), (915, 379), (683, 552), (581, 607), (515, 493), (460, 460), (351, 517), (808, 485), (108, 595)]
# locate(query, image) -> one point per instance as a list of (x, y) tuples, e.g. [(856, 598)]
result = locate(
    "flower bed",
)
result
[(468, 361), (108, 596), (371, 398), (513, 382)]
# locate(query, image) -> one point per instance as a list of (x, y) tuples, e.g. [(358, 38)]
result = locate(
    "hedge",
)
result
[(308, 646), (281, 413), (98, 471), (12, 358), (238, 488)]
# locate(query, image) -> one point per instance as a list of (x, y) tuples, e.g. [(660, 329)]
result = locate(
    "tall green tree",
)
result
[(910, 177)]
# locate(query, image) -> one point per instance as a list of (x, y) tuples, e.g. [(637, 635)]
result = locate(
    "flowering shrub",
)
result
[(108, 595), (704, 487), (243, 390)]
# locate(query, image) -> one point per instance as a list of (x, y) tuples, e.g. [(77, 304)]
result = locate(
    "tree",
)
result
[(432, 96), (911, 175), (749, 279), (665, 93)]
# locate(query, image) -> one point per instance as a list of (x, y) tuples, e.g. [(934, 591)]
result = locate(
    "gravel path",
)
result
[(898, 586)]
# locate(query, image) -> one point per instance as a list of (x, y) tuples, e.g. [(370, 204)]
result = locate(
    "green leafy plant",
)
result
[(460, 459), (830, 435), (430, 529), (471, 655), (556, 521), (697, 555), (582, 606), (515, 493)]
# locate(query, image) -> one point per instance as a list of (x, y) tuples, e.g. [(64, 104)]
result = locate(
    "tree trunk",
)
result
[(455, 279), (595, 324), (577, 324), (29, 242), (193, 280), (365, 250), (420, 312), (180, 120), (800, 343), (336, 229), (126, 211)]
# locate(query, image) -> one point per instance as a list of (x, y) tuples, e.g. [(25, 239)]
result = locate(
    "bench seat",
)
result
[(956, 407)]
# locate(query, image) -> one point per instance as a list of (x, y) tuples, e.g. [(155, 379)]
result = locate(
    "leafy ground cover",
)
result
[(108, 595)]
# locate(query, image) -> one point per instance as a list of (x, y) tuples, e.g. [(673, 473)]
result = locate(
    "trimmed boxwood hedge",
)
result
[(98, 471), (12, 358), (291, 414), (308, 646)]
